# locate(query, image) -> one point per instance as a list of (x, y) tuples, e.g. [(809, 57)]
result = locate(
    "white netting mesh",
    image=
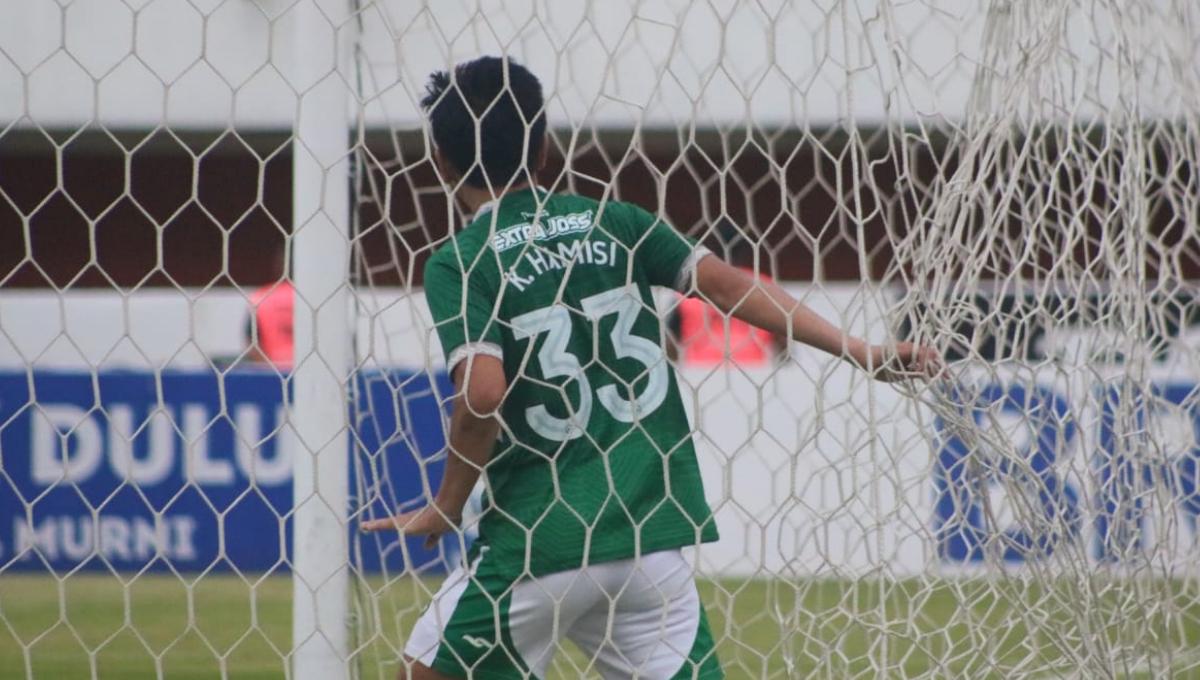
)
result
[(1014, 182)]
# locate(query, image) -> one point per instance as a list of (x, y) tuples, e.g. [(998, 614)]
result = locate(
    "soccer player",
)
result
[(566, 405)]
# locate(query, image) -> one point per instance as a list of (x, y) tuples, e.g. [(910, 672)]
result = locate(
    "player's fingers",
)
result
[(936, 365), (920, 363), (395, 523), (382, 524), (923, 364)]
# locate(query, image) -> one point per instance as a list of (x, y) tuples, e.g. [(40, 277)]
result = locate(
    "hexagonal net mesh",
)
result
[(182, 466)]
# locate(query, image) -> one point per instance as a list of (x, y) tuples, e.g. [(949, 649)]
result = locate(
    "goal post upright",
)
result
[(320, 381)]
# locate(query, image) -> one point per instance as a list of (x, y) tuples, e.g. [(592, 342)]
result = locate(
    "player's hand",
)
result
[(905, 361), (430, 522)]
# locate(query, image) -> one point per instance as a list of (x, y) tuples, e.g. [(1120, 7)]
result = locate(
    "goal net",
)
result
[(1012, 182)]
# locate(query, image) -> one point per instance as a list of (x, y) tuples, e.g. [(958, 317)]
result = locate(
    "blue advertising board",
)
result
[(187, 471), (1106, 506), (963, 475)]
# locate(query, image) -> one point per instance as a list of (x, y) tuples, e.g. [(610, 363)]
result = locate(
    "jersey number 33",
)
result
[(556, 361)]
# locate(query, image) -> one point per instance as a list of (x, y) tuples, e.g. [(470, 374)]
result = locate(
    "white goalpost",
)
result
[(322, 377), (189, 438)]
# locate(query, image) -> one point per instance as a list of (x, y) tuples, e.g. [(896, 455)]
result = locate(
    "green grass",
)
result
[(225, 626)]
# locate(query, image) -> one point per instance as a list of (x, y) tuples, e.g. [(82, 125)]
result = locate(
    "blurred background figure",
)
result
[(269, 328), (701, 335)]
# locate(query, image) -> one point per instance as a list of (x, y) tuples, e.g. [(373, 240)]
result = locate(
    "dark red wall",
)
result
[(194, 209)]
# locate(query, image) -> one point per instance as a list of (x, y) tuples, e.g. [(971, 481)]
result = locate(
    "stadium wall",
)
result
[(152, 181), (811, 468)]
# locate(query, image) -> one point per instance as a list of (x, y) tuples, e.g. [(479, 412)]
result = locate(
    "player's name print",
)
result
[(538, 260), (549, 227)]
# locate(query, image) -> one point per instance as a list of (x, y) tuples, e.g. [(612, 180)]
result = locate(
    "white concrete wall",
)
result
[(183, 328), (171, 328), (213, 63)]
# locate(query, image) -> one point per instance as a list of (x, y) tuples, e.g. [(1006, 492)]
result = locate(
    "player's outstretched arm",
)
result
[(770, 307), (480, 385)]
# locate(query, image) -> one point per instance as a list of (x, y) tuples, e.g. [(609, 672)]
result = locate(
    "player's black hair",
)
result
[(505, 100)]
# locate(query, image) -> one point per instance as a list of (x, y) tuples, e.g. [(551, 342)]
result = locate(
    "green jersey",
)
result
[(595, 462)]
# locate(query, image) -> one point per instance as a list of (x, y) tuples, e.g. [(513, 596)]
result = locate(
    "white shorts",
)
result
[(636, 618)]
